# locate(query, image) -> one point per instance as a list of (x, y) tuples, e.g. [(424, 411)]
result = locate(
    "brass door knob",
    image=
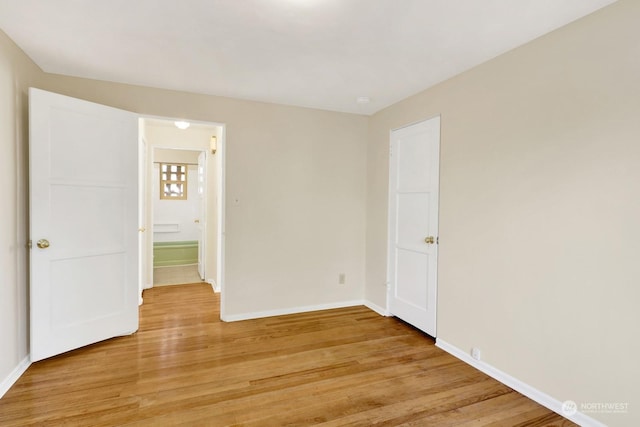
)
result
[(430, 240), (43, 243)]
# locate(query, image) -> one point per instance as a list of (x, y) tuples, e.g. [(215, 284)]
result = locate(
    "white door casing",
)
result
[(83, 201), (413, 223), (202, 212), (142, 213)]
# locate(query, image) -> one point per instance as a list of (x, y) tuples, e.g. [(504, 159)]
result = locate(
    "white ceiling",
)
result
[(313, 53)]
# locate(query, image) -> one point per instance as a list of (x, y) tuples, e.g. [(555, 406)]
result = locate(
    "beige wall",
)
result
[(539, 209), (17, 73), (299, 178)]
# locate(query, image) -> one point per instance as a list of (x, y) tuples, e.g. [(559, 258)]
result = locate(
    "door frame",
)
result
[(389, 279), (219, 200), (204, 198), (143, 249)]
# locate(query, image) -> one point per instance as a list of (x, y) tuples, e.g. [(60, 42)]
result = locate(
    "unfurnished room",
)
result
[(320, 212)]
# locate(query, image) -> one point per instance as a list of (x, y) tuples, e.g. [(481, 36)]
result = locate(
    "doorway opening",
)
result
[(181, 173), (179, 202), (88, 268)]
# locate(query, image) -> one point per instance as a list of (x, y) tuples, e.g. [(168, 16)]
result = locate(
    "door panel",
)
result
[(68, 305), (412, 268), (83, 155), (83, 200), (413, 219), (411, 152), (70, 231)]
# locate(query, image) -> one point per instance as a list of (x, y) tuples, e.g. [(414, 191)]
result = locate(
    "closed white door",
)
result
[(413, 223), (202, 221), (84, 223)]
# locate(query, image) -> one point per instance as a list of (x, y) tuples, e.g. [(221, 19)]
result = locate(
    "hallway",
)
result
[(176, 275)]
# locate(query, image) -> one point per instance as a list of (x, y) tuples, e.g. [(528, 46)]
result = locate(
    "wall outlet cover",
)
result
[(475, 353)]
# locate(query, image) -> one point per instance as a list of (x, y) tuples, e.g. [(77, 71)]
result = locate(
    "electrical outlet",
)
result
[(475, 353), (342, 278)]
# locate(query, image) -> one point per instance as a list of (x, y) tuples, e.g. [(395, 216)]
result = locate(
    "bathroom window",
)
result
[(173, 181)]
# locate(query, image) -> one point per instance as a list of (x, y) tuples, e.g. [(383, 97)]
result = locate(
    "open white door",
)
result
[(84, 222), (413, 223), (202, 209), (142, 213)]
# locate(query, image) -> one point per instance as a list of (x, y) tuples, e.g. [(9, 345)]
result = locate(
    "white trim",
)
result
[(202, 244), (294, 310), (221, 173), (6, 384), (523, 388), (214, 286), (416, 122), (375, 307)]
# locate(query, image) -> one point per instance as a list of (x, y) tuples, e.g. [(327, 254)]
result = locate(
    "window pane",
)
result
[(173, 181)]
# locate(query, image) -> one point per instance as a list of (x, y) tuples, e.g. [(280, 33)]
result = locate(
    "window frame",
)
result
[(183, 170)]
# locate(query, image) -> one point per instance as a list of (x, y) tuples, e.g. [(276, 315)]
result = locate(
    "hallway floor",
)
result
[(176, 275)]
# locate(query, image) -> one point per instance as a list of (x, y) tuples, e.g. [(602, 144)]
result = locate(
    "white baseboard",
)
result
[(6, 384), (375, 307), (294, 310), (214, 285), (523, 388)]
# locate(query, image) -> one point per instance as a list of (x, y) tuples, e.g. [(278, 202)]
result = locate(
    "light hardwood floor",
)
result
[(331, 368)]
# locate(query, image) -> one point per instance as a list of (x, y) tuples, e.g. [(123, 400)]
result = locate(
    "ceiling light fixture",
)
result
[(181, 124)]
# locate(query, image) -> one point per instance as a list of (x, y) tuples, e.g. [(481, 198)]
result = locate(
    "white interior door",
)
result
[(413, 223), (142, 214), (202, 207), (84, 222)]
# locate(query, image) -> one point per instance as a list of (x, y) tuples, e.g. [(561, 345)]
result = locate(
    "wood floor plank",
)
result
[(345, 367)]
